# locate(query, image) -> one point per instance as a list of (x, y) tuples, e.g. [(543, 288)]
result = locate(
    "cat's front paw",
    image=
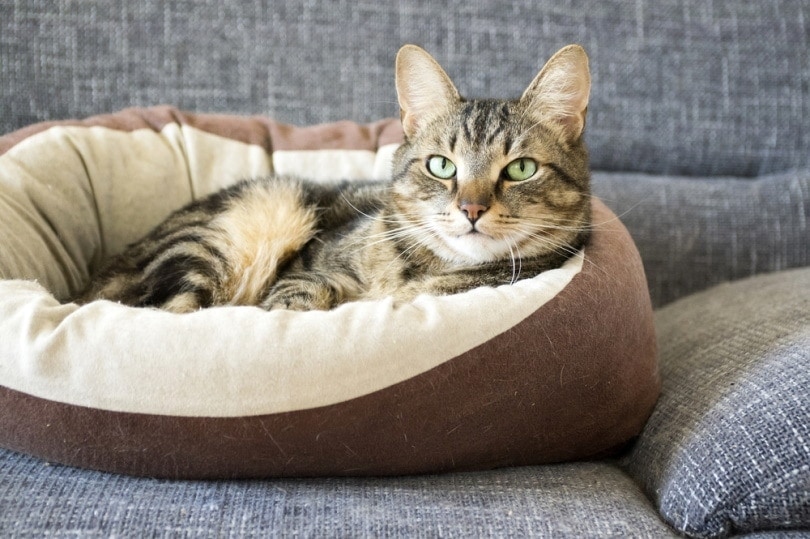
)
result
[(301, 298), (289, 303)]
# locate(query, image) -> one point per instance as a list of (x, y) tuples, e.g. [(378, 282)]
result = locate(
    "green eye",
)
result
[(521, 169), (441, 167)]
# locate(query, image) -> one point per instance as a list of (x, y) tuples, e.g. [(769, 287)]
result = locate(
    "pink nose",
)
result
[(472, 210)]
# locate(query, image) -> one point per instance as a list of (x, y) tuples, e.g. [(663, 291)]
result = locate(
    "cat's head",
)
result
[(486, 180)]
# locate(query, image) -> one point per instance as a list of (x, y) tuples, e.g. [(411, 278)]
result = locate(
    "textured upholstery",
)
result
[(698, 130), (696, 232), (678, 86), (518, 502), (728, 447)]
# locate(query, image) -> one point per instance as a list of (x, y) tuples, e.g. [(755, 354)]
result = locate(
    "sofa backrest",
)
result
[(681, 87)]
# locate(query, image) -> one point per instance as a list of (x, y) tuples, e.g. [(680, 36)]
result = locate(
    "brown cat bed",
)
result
[(558, 367)]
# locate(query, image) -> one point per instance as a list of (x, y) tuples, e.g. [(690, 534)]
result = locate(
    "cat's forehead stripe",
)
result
[(482, 122), (507, 144)]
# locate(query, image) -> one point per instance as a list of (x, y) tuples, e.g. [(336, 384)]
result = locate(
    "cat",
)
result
[(484, 192)]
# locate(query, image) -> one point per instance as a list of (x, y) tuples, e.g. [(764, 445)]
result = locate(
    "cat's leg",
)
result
[(308, 292), (433, 286), (451, 283), (300, 295), (180, 291)]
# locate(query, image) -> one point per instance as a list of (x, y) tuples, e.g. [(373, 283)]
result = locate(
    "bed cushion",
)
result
[(558, 367)]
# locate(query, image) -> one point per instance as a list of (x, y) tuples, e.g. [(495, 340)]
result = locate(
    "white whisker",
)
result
[(561, 247)]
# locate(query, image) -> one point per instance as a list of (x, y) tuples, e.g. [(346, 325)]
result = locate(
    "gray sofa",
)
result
[(699, 131)]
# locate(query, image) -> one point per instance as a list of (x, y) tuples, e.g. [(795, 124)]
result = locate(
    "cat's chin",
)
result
[(471, 248)]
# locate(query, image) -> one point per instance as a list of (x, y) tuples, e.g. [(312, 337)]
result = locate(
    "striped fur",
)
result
[(282, 242)]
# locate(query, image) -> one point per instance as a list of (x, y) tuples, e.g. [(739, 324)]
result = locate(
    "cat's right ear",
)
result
[(423, 88)]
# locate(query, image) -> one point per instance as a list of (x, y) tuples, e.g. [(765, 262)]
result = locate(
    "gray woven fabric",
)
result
[(685, 87), (696, 232), (584, 500), (727, 449)]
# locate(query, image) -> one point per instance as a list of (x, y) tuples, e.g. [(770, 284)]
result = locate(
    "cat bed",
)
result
[(557, 367)]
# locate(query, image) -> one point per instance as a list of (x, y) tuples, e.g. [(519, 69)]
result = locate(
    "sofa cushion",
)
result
[(568, 500), (696, 232), (727, 448), (559, 366)]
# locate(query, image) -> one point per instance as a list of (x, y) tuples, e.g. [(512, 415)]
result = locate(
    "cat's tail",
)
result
[(269, 224)]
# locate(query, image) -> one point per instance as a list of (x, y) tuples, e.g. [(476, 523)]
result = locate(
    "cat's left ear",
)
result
[(423, 88), (559, 93)]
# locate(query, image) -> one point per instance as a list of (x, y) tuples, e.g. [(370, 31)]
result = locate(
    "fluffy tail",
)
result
[(266, 226)]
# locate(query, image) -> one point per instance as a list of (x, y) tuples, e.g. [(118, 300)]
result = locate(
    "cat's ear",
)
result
[(559, 93), (423, 88)]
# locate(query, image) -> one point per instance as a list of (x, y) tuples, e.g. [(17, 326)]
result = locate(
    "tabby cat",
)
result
[(484, 192)]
